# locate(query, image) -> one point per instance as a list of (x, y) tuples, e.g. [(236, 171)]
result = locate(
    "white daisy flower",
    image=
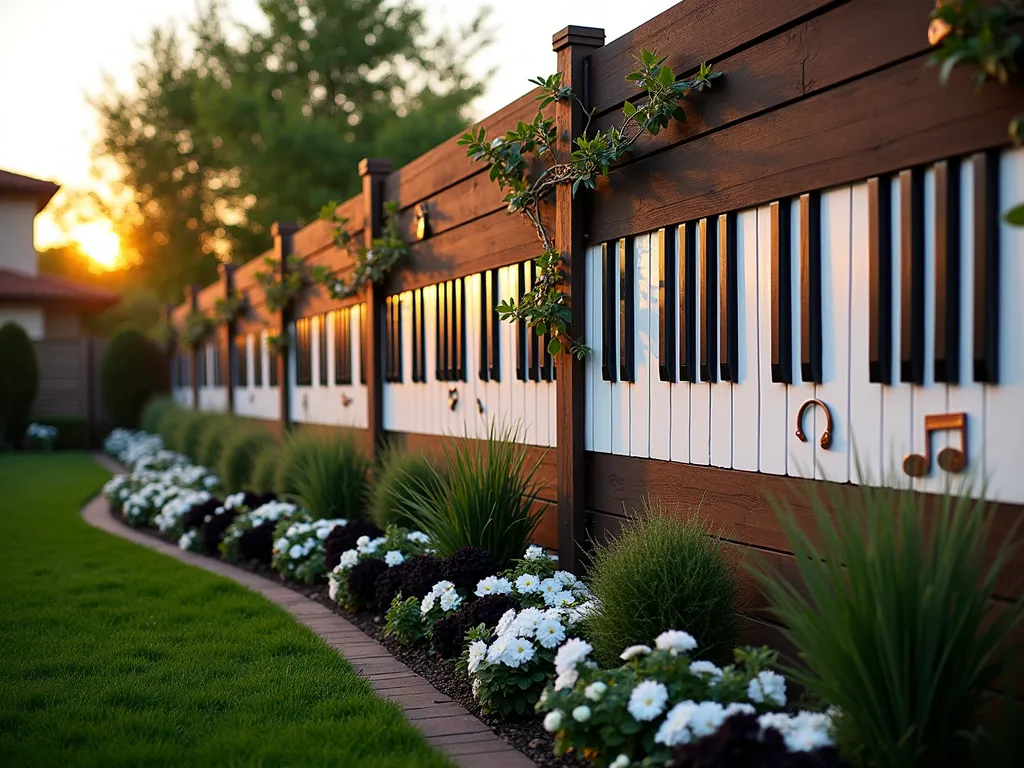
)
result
[(633, 651), (768, 686), (675, 641), (647, 700)]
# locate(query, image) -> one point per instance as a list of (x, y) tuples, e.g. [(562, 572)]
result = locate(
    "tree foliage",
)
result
[(19, 382), (229, 128)]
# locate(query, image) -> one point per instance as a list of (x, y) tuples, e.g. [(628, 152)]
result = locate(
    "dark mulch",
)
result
[(528, 736)]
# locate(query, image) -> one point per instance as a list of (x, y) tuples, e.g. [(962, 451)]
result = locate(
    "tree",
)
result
[(19, 382), (230, 128), (130, 374)]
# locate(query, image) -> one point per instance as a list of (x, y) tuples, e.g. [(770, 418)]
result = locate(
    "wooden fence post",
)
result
[(374, 172), (227, 335), (192, 299), (282, 232), (572, 45)]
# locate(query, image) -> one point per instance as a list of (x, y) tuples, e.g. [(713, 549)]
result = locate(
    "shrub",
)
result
[(19, 382), (153, 413), (327, 476), (130, 374), (73, 433), (411, 578), (466, 566), (214, 529), (299, 547), (343, 538), (660, 573), (242, 447), (169, 424), (264, 469), (893, 621), (198, 513), (215, 432), (250, 537), (188, 431), (486, 502), (362, 582), (396, 467), (448, 635), (404, 622)]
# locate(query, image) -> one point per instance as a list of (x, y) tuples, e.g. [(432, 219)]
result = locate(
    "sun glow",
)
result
[(99, 242)]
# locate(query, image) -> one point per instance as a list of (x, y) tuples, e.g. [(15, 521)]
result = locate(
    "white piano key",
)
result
[(898, 417), (532, 426), (834, 391), (550, 400), (471, 416), (746, 391), (865, 397), (433, 403), (679, 448), (602, 411), (700, 392), (591, 364), (501, 416), (931, 396), (968, 396), (1004, 401), (643, 360), (620, 389), (801, 455), (517, 397), (491, 390), (661, 391)]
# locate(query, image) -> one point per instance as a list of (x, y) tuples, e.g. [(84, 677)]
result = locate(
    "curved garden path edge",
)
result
[(444, 723)]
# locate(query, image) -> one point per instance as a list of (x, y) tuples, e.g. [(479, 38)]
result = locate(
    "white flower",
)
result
[(417, 537), (572, 652), (622, 761), (675, 641), (427, 603), (768, 686), (497, 649), (559, 599), (533, 552), (595, 691), (477, 653), (440, 587), (706, 718), (280, 544), (187, 540), (706, 668), (393, 558), (581, 714), (647, 700), (550, 586), (566, 679), (349, 558), (739, 708), (450, 600), (295, 552), (505, 622), (527, 620), (332, 588), (476, 688), (802, 732), (553, 720), (550, 632), (493, 585), (527, 583), (371, 546), (633, 651), (674, 730), (518, 651), (565, 578)]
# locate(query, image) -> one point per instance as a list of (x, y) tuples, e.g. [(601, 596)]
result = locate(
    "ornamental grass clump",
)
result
[(662, 572), (395, 467), (188, 432), (242, 448), (327, 475), (153, 412), (893, 618), (214, 435), (264, 469), (489, 498)]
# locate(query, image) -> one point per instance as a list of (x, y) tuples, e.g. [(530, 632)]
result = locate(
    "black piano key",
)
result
[(388, 338), (399, 373), (708, 255), (494, 328), (782, 293), (810, 287), (687, 255), (609, 353), (441, 328), (912, 276), (880, 280), (729, 337), (423, 337), (547, 370), (461, 373), (414, 334), (667, 305), (535, 340), (449, 330), (346, 347), (485, 336), (521, 329), (947, 271), (986, 266), (627, 287)]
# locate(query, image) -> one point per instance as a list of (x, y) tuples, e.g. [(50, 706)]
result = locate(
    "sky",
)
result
[(55, 53)]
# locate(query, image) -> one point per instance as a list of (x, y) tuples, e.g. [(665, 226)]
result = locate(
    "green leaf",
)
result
[(554, 346), (665, 76), (1015, 216), (628, 109)]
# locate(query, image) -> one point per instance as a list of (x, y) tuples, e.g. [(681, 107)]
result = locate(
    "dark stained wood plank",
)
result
[(782, 293), (947, 271), (880, 280), (880, 123), (627, 288), (810, 287), (986, 267), (912, 275)]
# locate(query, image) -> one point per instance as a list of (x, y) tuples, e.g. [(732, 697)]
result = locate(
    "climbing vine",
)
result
[(372, 264), (229, 308), (277, 343), (973, 33), (280, 291), (512, 158), (197, 326)]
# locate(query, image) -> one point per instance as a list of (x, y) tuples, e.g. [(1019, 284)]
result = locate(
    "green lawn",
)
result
[(113, 655)]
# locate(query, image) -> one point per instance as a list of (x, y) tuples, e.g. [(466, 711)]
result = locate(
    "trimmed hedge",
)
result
[(130, 375), (154, 412), (264, 469), (19, 382), (241, 451), (216, 429), (72, 432)]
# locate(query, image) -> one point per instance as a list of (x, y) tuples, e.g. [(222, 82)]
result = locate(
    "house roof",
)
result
[(19, 287), (17, 186)]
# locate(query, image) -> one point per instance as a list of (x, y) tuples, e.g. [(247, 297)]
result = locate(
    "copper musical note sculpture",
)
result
[(950, 459), (453, 398), (479, 406), (826, 436), (346, 401)]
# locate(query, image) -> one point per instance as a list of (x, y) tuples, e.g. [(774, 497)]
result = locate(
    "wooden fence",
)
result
[(69, 382), (825, 227)]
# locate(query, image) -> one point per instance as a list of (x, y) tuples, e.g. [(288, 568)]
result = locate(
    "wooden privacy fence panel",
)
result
[(818, 248), (69, 381)]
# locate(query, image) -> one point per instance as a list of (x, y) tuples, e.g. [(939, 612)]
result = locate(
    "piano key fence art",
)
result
[(808, 292)]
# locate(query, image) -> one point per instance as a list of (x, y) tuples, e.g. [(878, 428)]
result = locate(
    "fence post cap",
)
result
[(592, 37), (373, 166), (283, 228)]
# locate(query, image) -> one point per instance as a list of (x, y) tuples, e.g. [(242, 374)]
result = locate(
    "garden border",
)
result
[(445, 724)]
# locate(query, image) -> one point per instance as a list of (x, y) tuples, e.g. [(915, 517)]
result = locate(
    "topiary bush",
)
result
[(327, 476), (343, 538), (169, 425), (153, 413), (242, 447), (466, 566), (394, 468), (264, 469), (19, 382), (130, 374), (188, 432), (215, 432), (662, 573)]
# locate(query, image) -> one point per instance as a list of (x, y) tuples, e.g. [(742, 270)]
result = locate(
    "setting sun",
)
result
[(99, 242)]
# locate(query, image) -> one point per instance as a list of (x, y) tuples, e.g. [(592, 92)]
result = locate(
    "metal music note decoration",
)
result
[(423, 230), (826, 436), (346, 401), (453, 398), (479, 406), (949, 458)]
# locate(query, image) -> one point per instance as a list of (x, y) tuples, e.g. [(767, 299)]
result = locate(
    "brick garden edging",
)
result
[(444, 723)]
